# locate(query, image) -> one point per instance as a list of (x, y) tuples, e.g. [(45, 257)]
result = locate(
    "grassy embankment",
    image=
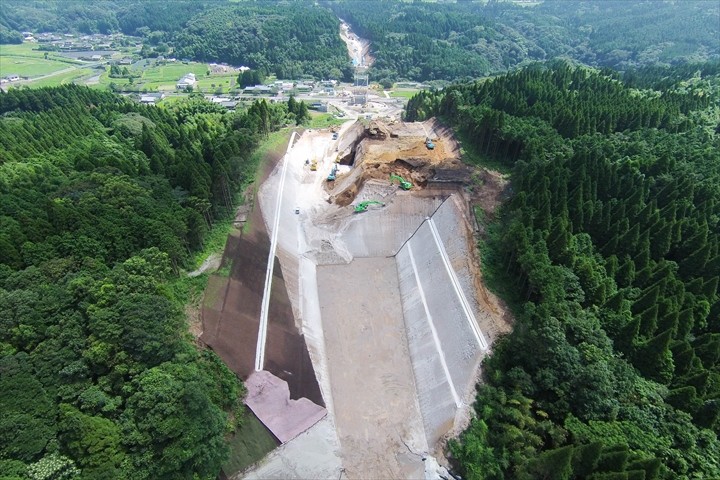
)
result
[(403, 93), (324, 120), (189, 289)]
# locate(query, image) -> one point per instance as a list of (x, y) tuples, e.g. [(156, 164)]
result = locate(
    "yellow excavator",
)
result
[(313, 165)]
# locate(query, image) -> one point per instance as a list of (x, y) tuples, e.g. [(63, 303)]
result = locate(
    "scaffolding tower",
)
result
[(360, 88)]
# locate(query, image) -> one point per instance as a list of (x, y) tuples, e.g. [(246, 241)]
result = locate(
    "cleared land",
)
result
[(392, 339), (373, 386)]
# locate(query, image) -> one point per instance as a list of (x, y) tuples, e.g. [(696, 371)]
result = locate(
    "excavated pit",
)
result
[(378, 150)]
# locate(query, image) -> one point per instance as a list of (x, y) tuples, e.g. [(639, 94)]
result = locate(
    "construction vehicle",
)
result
[(333, 172), (429, 144), (404, 184), (363, 206), (313, 165)]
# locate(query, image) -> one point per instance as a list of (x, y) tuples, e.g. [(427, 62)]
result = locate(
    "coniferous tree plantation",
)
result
[(427, 41), (609, 248), (102, 200)]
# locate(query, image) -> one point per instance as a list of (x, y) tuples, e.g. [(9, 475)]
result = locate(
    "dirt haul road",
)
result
[(390, 303)]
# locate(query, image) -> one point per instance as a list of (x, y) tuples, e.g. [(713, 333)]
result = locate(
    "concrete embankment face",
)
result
[(400, 327), (381, 233), (443, 344)]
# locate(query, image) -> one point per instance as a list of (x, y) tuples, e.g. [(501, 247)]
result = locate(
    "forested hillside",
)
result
[(609, 248), (101, 202), (410, 40), (132, 17), (430, 41), (288, 40)]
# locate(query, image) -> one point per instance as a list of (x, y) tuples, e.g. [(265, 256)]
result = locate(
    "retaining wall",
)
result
[(443, 347)]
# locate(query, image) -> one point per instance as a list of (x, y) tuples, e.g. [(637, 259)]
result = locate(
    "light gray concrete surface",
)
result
[(312, 454), (443, 347), (389, 339), (437, 395), (454, 228), (381, 232)]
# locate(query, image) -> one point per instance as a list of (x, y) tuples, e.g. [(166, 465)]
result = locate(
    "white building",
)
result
[(187, 80)]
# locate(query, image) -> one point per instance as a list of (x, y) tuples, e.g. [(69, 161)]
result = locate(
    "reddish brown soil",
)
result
[(231, 311)]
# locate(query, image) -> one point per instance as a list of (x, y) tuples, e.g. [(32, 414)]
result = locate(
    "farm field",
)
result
[(164, 77), (61, 78), (22, 60), (403, 93)]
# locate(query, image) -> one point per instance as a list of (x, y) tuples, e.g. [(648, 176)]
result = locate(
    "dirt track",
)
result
[(375, 404)]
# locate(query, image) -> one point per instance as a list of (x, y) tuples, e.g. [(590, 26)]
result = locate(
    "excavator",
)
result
[(404, 184), (429, 144), (313, 165), (333, 173), (363, 206)]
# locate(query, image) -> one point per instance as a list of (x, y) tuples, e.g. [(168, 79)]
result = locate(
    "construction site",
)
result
[(355, 310)]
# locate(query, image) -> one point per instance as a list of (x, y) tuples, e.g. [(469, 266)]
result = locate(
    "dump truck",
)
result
[(363, 206), (404, 184)]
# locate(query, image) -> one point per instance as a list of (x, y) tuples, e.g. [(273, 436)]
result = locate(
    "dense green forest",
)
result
[(609, 249), (54, 16), (131, 17), (288, 40), (102, 201), (410, 40), (446, 41)]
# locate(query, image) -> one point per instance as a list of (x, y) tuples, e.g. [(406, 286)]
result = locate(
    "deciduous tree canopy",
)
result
[(101, 202)]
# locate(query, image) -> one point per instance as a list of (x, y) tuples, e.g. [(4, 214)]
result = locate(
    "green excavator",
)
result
[(404, 184), (363, 206)]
